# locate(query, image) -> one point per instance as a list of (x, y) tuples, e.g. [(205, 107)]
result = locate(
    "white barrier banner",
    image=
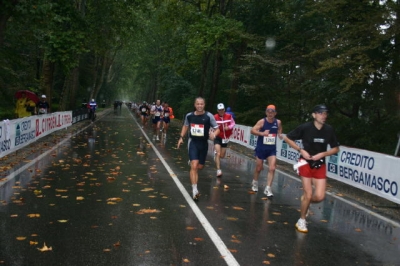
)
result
[(48, 123), (373, 172), (18, 133)]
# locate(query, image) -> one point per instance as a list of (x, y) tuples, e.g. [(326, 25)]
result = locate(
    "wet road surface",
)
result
[(111, 195)]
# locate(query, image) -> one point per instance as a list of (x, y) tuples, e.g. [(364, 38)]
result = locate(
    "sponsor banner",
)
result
[(241, 135), (18, 133), (48, 123), (370, 171)]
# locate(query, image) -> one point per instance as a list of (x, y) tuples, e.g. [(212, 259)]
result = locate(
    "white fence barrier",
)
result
[(18, 133)]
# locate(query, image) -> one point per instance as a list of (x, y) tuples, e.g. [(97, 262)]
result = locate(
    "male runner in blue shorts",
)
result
[(315, 137), (199, 124), (267, 129)]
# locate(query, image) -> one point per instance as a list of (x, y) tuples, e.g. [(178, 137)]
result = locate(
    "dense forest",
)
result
[(245, 53)]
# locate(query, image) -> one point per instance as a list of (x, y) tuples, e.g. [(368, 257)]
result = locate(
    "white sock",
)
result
[(194, 186)]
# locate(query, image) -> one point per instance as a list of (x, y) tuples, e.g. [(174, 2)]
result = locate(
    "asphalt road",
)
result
[(106, 193)]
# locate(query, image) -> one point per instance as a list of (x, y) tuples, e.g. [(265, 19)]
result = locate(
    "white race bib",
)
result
[(270, 139), (166, 114), (144, 110), (157, 114), (225, 141), (197, 130)]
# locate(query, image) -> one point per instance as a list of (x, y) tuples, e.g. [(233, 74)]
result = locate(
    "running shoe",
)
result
[(219, 172), (254, 186), (196, 195), (301, 226), (268, 191)]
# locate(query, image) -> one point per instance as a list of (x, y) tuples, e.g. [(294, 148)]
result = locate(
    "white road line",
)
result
[(222, 248)]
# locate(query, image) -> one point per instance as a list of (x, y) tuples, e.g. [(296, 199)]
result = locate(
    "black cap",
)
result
[(320, 108)]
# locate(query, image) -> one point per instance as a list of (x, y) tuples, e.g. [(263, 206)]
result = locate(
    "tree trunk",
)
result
[(5, 14), (215, 78), (203, 81), (47, 80), (74, 88)]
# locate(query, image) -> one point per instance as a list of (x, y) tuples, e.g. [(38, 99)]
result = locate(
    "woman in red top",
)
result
[(226, 124)]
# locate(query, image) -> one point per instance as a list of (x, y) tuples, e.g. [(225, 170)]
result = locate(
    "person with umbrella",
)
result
[(24, 106)]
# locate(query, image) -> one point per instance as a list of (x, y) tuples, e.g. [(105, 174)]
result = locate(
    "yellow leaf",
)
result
[(358, 230), (232, 250), (45, 248), (114, 199), (136, 204), (276, 213), (80, 198), (20, 238), (33, 243), (33, 215), (232, 218), (198, 239), (186, 260), (324, 221), (266, 262), (147, 189), (271, 255), (190, 228), (238, 208), (62, 221)]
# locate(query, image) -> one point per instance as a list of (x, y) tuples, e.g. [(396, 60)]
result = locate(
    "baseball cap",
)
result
[(271, 107), (220, 106), (44, 96), (320, 108)]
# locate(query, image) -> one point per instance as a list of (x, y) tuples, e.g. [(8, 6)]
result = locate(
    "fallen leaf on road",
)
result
[(45, 248)]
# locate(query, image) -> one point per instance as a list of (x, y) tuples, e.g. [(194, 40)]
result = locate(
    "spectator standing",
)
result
[(43, 106)]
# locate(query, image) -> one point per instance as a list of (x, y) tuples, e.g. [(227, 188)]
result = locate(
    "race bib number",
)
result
[(143, 110), (157, 114), (225, 141), (270, 139), (166, 114), (197, 130)]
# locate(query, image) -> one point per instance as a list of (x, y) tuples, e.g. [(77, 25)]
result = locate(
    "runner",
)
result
[(199, 123), (267, 129), (166, 118), (156, 112), (144, 112), (226, 124), (315, 137)]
